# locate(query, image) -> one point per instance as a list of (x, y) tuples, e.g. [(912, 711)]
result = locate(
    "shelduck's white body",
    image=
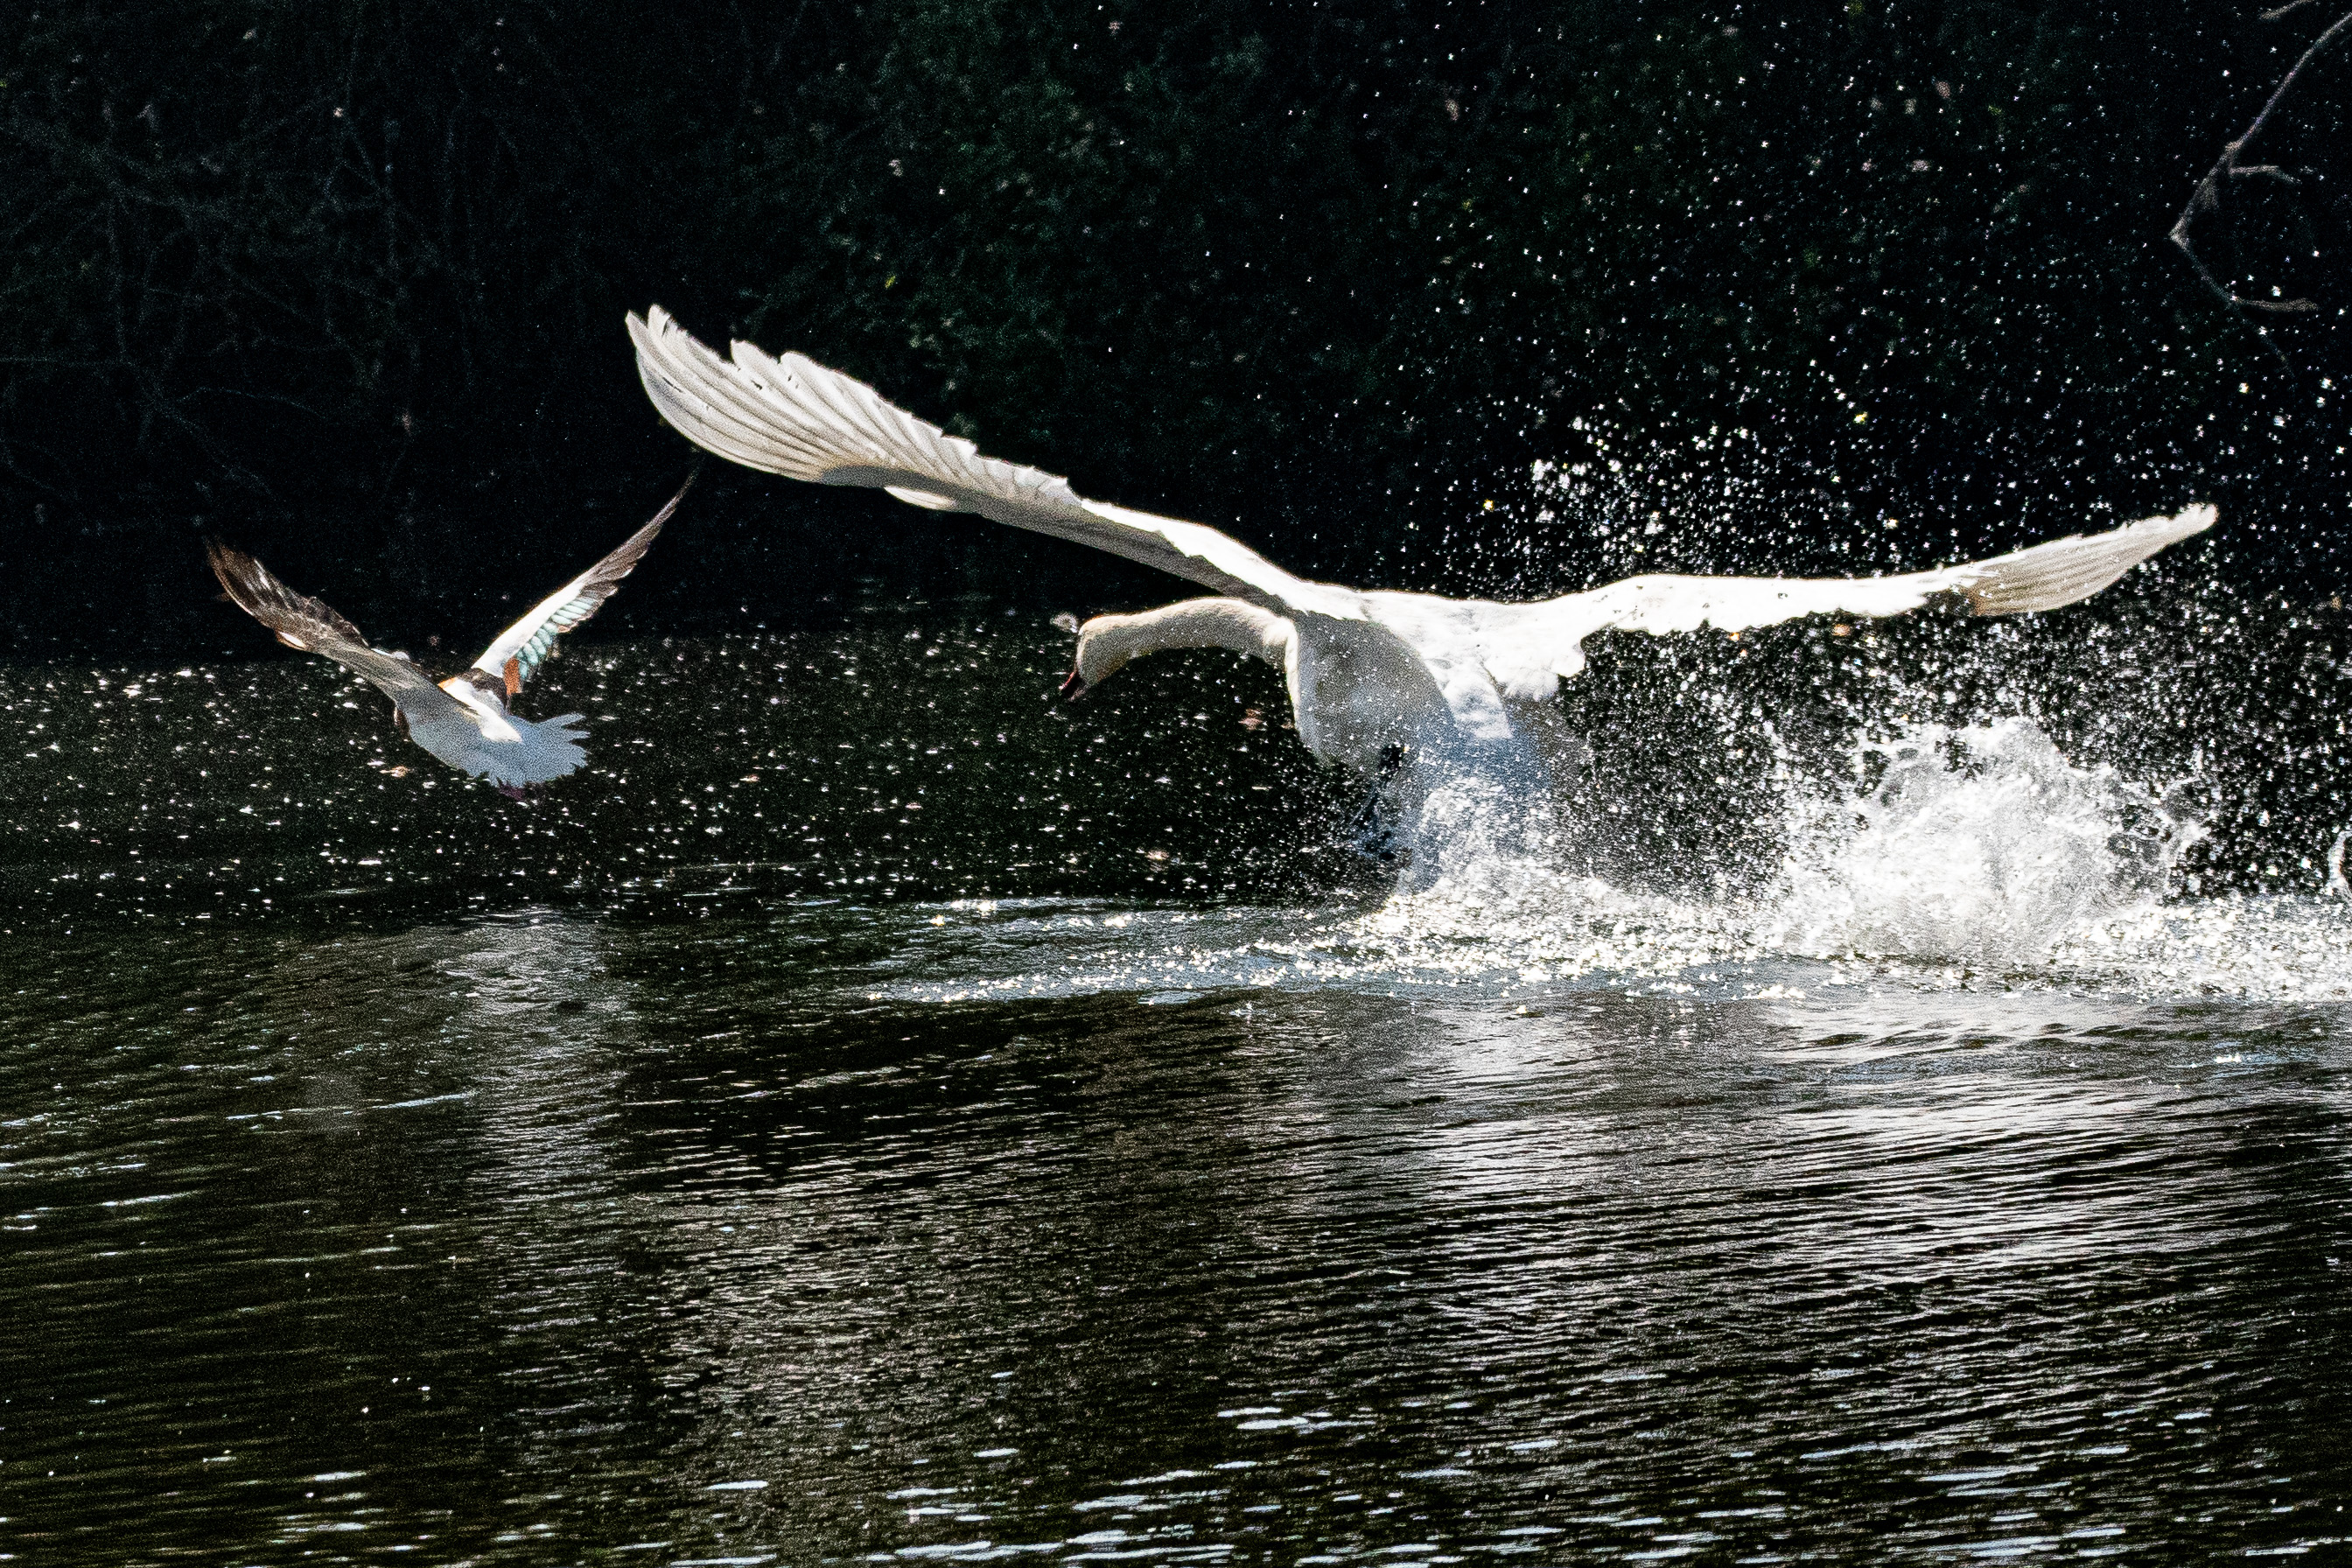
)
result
[(463, 720)]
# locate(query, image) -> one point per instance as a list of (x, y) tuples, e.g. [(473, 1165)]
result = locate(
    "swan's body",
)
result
[(1367, 671), (463, 721)]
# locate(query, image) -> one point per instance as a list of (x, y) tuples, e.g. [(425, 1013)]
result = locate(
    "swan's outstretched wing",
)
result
[(790, 415), (1528, 647), (314, 628), (523, 646)]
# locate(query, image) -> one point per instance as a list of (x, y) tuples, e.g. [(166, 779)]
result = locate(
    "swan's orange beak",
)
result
[(1074, 686)]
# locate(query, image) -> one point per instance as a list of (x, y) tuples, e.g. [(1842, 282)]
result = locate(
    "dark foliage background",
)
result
[(343, 280)]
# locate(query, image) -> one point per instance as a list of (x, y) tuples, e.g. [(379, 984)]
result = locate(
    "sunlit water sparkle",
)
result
[(876, 1114)]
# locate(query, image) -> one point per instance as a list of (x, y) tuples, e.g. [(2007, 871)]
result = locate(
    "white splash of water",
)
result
[(1972, 856), (1977, 854), (1982, 845)]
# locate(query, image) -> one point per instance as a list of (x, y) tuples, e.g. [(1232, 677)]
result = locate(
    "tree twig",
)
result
[(2207, 196)]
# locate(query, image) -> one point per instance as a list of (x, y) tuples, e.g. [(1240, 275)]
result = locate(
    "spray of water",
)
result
[(1939, 856), (1981, 846), (1973, 855)]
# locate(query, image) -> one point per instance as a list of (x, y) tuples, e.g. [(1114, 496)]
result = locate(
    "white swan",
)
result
[(1368, 672), (463, 721)]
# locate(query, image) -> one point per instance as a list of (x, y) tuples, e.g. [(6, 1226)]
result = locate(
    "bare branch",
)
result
[(2207, 196)]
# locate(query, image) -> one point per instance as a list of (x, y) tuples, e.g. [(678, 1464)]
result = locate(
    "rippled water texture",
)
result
[(1891, 1101)]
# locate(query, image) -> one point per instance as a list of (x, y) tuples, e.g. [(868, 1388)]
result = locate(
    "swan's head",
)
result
[(1102, 653)]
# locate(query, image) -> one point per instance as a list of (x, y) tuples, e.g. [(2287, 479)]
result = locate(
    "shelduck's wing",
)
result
[(1531, 646), (523, 646), (313, 626), (790, 415)]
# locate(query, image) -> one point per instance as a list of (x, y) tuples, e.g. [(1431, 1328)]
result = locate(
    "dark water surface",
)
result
[(1072, 1154)]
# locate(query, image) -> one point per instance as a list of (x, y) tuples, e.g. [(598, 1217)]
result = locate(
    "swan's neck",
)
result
[(1107, 642)]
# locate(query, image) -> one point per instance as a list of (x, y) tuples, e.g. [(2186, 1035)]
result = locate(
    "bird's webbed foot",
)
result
[(1370, 832), (1373, 838)]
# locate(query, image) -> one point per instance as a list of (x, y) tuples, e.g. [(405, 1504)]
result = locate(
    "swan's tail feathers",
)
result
[(2065, 570)]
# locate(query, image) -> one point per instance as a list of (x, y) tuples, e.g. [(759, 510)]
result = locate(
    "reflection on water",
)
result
[(542, 1238), (852, 1122)]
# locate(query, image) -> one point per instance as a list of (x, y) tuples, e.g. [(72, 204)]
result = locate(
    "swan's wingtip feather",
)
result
[(801, 365), (2189, 520), (787, 414)]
